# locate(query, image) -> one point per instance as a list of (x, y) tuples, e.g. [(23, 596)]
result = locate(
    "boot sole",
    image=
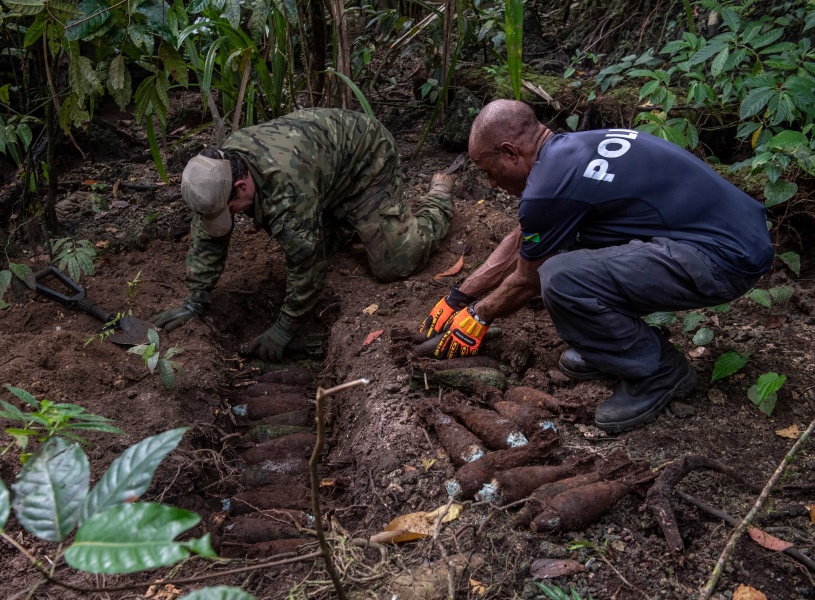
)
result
[(682, 388)]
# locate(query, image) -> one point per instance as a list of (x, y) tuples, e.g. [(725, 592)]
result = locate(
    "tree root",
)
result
[(659, 496)]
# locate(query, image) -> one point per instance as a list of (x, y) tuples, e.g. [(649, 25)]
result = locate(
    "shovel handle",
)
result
[(94, 310)]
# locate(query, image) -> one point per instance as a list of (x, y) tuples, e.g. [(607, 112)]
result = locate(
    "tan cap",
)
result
[(206, 185)]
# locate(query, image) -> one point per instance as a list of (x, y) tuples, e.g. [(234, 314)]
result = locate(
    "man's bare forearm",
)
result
[(498, 266), (513, 293)]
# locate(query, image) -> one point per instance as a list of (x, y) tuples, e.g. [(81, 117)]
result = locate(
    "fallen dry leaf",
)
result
[(697, 352), (168, 592), (452, 270), (790, 432), (811, 509), (776, 321), (477, 588), (372, 336), (119, 204), (767, 541), (547, 568), (745, 592), (116, 185), (413, 526), (89, 182), (371, 309), (102, 244)]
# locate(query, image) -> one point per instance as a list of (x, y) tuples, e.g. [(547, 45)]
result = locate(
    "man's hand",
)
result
[(176, 317), (269, 345), (444, 309), (463, 335)]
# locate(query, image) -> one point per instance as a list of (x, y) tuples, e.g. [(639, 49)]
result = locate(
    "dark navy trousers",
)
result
[(597, 297)]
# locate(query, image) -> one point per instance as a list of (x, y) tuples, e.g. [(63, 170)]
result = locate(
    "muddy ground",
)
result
[(382, 459)]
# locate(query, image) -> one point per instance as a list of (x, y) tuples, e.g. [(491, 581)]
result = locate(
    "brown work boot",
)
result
[(442, 184)]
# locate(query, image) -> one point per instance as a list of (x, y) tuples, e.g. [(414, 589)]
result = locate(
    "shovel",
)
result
[(131, 331)]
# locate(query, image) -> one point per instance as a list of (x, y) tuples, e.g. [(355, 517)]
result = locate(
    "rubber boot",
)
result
[(636, 402)]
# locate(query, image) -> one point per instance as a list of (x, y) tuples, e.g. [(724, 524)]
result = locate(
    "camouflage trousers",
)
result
[(397, 240)]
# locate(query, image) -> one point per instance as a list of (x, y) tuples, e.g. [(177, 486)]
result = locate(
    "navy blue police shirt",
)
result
[(610, 186)]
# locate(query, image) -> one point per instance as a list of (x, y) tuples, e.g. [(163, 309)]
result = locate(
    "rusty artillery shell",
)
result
[(529, 419), (256, 528), (514, 484), (296, 445), (265, 432), (471, 477), (470, 380), (262, 549), (295, 418), (289, 375), (495, 431), (293, 496), (272, 389), (576, 508), (281, 472), (568, 411), (260, 407), (543, 495), (461, 445)]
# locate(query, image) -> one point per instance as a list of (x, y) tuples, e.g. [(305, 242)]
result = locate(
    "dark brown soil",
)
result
[(388, 460)]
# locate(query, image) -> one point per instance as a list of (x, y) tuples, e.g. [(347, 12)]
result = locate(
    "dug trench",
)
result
[(243, 464)]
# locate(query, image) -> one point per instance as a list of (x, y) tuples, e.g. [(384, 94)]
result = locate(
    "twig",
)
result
[(620, 575), (707, 591), (791, 552), (451, 569), (325, 551)]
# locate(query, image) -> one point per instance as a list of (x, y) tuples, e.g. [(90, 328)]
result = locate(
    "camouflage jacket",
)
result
[(305, 164)]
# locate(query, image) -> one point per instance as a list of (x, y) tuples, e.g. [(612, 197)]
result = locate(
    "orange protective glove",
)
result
[(445, 308), (463, 335)]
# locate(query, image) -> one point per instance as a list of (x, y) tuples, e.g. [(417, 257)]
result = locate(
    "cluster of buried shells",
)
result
[(269, 517), (508, 449)]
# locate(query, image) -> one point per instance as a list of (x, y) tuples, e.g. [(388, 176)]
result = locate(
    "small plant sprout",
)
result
[(133, 286), (151, 358), (78, 257), (47, 420), (108, 329), (763, 393)]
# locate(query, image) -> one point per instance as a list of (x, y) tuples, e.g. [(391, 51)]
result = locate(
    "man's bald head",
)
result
[(504, 121)]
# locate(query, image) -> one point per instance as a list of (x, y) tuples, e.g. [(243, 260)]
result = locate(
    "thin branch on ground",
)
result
[(325, 550), (792, 552), (451, 569), (707, 591), (622, 578)]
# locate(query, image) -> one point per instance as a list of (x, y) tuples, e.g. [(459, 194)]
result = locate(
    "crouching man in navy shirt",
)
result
[(614, 224)]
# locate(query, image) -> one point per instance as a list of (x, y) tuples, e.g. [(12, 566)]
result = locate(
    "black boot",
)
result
[(573, 365), (636, 402)]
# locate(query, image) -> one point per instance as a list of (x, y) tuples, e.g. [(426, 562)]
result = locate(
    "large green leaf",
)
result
[(129, 476), (792, 260), (5, 280), (131, 537), (49, 491), (760, 296), (788, 139), (34, 32), (779, 192), (729, 363), (25, 273), (658, 319), (93, 14), (219, 592), (703, 337), (768, 384), (755, 101), (692, 320), (174, 63), (5, 505), (25, 7), (514, 28)]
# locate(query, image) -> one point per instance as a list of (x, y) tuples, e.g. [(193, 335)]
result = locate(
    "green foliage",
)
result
[(15, 133), (133, 286), (729, 363), (763, 393), (116, 533), (48, 420), (220, 592), (554, 592), (792, 260), (77, 257), (760, 68), (703, 336), (100, 547), (514, 28), (659, 319), (151, 358), (767, 298)]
